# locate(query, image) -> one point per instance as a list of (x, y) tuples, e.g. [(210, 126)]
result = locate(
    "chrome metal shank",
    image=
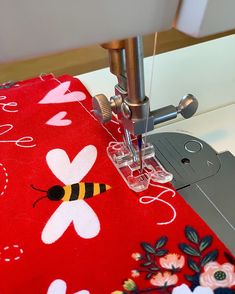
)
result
[(130, 103)]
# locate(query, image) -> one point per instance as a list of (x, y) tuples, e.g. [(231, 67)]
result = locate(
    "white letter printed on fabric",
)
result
[(59, 287), (57, 95), (23, 142), (78, 212)]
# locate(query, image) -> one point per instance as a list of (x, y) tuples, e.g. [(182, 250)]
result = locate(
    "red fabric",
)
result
[(99, 264)]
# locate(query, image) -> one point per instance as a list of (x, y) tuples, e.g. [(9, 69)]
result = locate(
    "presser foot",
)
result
[(137, 177)]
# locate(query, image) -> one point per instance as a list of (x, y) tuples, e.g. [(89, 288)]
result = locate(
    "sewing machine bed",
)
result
[(69, 224), (206, 181)]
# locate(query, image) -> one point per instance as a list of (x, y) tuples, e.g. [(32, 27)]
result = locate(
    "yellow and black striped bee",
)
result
[(78, 191)]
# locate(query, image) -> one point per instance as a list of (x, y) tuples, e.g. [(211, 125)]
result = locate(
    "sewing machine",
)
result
[(197, 171), (203, 173)]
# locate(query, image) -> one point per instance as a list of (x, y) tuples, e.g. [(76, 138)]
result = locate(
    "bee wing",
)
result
[(83, 217), (86, 222), (59, 287), (71, 172)]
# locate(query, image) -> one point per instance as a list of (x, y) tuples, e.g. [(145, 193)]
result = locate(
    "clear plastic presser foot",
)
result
[(137, 180)]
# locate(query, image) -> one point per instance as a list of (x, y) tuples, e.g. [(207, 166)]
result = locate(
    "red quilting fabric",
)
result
[(109, 243)]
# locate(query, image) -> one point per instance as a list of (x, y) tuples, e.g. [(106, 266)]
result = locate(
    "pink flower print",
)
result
[(218, 275), (136, 256), (164, 279), (135, 273), (172, 261)]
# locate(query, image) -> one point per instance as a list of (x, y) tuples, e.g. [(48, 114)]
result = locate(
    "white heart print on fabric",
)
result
[(59, 120), (72, 209), (57, 95), (59, 287)]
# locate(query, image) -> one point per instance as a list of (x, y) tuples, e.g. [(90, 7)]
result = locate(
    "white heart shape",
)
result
[(57, 95), (79, 213), (71, 172), (58, 120)]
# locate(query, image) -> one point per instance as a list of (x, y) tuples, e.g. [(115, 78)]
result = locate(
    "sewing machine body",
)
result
[(33, 28), (37, 28)]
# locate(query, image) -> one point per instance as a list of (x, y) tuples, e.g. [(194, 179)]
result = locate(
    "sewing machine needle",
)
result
[(139, 139)]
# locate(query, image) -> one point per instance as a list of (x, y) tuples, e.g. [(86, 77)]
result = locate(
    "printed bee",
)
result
[(73, 192), (73, 209)]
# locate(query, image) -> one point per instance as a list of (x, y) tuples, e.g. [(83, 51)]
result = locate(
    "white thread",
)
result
[(88, 112), (214, 205), (17, 257), (151, 85), (115, 122), (45, 74), (18, 142), (153, 63), (6, 179), (40, 77), (150, 199), (97, 120), (115, 145)]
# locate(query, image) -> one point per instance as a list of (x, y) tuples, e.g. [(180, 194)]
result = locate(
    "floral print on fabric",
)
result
[(162, 269), (165, 279), (172, 261), (218, 275), (7, 85)]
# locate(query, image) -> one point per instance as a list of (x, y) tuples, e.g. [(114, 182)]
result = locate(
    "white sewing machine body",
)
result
[(37, 28), (32, 28)]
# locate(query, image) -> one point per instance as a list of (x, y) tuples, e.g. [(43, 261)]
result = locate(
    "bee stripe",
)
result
[(89, 188), (107, 187), (74, 192), (96, 189), (102, 188), (67, 193), (82, 191)]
